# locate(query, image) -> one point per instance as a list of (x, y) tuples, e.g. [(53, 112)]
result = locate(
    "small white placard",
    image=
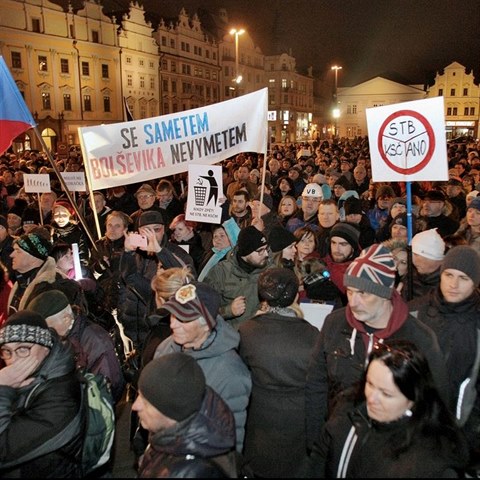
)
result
[(315, 313)]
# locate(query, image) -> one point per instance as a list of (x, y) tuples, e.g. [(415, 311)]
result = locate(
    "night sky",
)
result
[(413, 38)]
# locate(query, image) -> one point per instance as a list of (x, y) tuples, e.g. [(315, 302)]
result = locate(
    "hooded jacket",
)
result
[(194, 447), (223, 368)]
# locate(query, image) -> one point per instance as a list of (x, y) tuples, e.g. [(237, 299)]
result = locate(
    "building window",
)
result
[(186, 69), (455, 111), (165, 108), (150, 64), (165, 85), (173, 67), (106, 103), (141, 62), (164, 41), (95, 36), (142, 82), (440, 92), (67, 102), (36, 25), (354, 109), (452, 92), (16, 60), (85, 69), (128, 59), (174, 86), (105, 73), (465, 92), (172, 43), (64, 67), (46, 101), (214, 56), (207, 53), (466, 110), (129, 80), (87, 103), (42, 63), (152, 83), (472, 111), (449, 111)]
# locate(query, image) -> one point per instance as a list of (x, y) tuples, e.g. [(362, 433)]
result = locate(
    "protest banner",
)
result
[(152, 148)]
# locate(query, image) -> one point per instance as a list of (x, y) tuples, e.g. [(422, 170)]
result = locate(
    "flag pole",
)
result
[(64, 186)]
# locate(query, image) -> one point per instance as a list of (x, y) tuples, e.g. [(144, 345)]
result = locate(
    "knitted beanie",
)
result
[(278, 286), (348, 232), (26, 326), (49, 303), (384, 191), (250, 239), (34, 244), (65, 204), (280, 238), (31, 216), (465, 259), (3, 222), (352, 206), (194, 301), (372, 272), (174, 384), (429, 244), (475, 203)]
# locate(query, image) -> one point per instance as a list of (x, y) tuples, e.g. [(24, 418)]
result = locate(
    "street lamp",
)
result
[(237, 33), (336, 110), (336, 68)]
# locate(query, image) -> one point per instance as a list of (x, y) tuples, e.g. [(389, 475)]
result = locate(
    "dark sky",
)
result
[(413, 38)]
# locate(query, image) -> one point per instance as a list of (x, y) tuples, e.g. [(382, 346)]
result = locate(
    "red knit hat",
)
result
[(65, 204)]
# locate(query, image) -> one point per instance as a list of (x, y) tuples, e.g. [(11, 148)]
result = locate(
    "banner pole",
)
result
[(65, 187), (409, 242)]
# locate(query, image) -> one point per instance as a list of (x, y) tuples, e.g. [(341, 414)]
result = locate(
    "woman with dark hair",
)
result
[(396, 426), (285, 186), (184, 233)]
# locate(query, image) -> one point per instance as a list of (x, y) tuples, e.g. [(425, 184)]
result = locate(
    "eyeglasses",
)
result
[(22, 351)]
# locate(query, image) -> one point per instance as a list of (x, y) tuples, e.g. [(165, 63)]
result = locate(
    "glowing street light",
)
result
[(336, 110), (237, 33)]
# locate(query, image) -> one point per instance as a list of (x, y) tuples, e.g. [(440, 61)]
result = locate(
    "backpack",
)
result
[(99, 423)]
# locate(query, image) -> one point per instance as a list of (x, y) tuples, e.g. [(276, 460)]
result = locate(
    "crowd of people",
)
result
[(202, 326)]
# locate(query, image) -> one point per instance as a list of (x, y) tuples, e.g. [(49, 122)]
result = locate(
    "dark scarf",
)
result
[(397, 319)]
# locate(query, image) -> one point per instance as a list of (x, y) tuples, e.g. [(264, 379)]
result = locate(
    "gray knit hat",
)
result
[(372, 272), (465, 259), (26, 326), (174, 384)]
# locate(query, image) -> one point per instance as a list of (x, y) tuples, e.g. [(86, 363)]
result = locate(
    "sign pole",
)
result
[(409, 245)]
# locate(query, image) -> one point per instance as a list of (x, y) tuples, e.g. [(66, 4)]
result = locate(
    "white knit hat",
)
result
[(429, 244)]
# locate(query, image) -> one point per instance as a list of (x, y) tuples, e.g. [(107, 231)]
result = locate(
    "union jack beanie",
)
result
[(372, 272)]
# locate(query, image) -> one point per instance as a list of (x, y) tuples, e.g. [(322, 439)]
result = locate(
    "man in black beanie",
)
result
[(344, 247), (236, 277), (452, 311), (185, 418)]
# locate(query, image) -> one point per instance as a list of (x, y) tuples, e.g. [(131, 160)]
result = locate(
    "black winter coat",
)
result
[(197, 447), (33, 414)]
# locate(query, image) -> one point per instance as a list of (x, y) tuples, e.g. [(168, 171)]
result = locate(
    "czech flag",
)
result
[(15, 117)]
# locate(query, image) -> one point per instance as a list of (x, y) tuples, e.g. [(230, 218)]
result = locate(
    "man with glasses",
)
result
[(39, 397), (146, 199), (312, 195), (433, 208), (235, 278)]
